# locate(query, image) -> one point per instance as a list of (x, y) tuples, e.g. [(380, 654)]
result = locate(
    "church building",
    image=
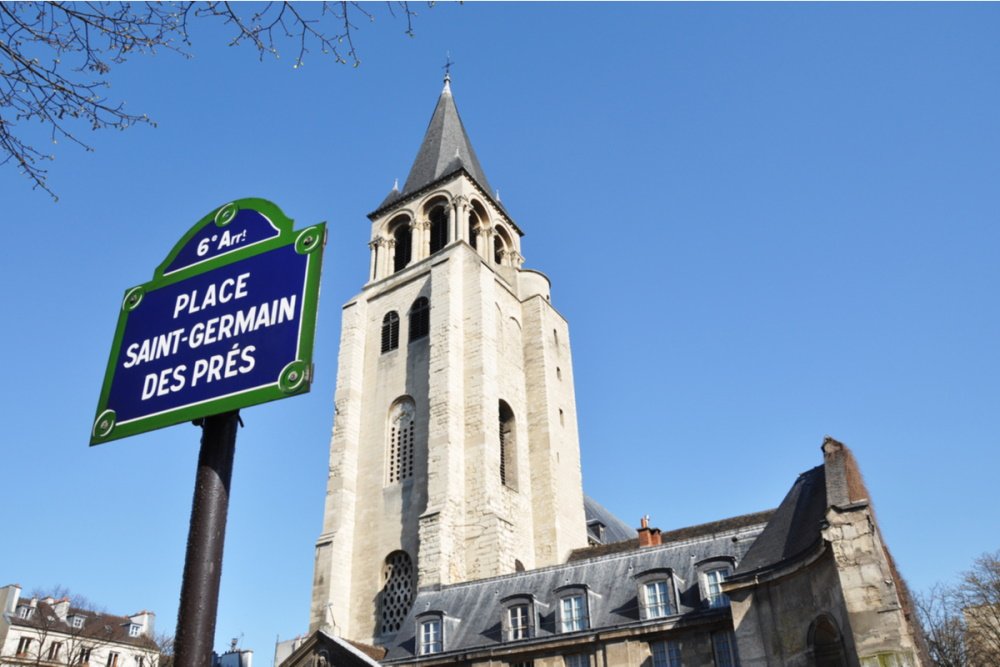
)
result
[(456, 529)]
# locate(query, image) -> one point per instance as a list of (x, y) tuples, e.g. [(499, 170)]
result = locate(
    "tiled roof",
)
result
[(615, 530), (445, 149), (96, 625), (795, 526), (472, 610)]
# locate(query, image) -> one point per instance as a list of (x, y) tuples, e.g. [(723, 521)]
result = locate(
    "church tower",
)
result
[(455, 453)]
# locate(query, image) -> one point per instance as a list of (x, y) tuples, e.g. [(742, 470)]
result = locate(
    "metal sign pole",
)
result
[(206, 537)]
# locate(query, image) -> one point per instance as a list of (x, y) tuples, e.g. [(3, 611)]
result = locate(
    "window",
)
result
[(573, 613), (502, 246), (133, 630), (399, 459), (397, 593), (112, 659), (508, 468), (526, 663), (140, 661), (577, 660), (25, 612), (390, 331), (77, 621), (666, 654), (401, 237), (558, 373), (84, 657), (439, 229), (519, 622), (473, 228), (430, 636), (713, 587), (724, 645), (54, 650), (23, 645), (657, 599), (420, 319)]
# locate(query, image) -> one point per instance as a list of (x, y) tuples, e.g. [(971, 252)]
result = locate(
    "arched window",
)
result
[(399, 458), (402, 236), (420, 318), (502, 244), (397, 591), (390, 331), (473, 224), (439, 228), (508, 447), (825, 643)]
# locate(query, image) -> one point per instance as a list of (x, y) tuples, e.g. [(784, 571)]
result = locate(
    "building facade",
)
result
[(456, 529), (46, 631)]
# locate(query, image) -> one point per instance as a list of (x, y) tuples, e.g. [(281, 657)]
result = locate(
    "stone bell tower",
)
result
[(455, 453)]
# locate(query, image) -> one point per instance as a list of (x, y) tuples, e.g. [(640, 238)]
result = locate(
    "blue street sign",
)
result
[(227, 322)]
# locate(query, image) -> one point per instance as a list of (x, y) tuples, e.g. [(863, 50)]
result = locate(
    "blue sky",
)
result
[(764, 224)]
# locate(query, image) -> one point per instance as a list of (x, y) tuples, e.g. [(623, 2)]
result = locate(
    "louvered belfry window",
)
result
[(390, 331), (420, 318), (401, 432)]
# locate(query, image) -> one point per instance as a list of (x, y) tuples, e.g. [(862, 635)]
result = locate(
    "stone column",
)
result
[(420, 243), (461, 214), (390, 255), (373, 262), (485, 244)]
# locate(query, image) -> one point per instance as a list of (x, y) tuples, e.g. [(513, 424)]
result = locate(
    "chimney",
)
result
[(9, 595), (61, 608), (648, 537)]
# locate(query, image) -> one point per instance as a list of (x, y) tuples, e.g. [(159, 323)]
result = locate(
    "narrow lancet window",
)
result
[(508, 450), (399, 458), (420, 319), (390, 331)]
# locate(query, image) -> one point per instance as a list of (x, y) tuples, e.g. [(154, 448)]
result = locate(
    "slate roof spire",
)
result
[(445, 149)]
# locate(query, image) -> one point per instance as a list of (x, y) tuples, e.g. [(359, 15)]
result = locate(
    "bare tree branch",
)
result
[(55, 57)]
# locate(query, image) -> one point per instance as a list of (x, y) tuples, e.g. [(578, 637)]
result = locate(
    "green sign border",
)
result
[(295, 379)]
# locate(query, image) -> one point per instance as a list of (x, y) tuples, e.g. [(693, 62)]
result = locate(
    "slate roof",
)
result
[(96, 625), (794, 529), (446, 149), (615, 530), (472, 610)]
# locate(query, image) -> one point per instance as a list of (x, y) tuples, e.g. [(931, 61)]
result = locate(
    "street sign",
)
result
[(227, 322)]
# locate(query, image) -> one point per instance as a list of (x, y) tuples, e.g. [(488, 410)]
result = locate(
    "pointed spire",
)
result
[(445, 149)]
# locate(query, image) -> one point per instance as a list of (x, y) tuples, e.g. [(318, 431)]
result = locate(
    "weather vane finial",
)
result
[(448, 62)]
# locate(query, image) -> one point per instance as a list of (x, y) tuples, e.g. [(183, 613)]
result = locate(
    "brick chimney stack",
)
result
[(648, 537)]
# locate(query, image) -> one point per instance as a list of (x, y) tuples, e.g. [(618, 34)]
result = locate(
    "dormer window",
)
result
[(713, 587), (25, 612), (76, 621), (518, 617), (656, 599), (573, 614), (430, 635), (657, 593), (711, 573), (133, 630)]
